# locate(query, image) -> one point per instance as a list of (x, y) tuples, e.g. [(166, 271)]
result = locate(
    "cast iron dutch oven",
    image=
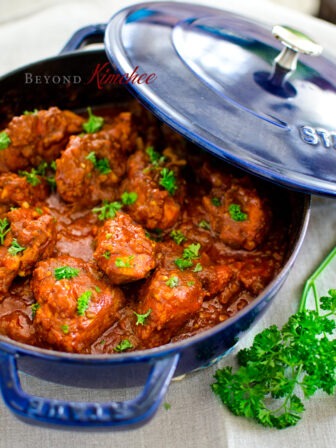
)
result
[(220, 83)]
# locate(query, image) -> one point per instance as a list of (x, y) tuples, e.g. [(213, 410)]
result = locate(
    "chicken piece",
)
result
[(170, 298), (93, 164), (256, 274), (246, 225), (75, 305), (17, 191), (38, 137), (216, 278), (30, 238), (155, 207), (123, 251)]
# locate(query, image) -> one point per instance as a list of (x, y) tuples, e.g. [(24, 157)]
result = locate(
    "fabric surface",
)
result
[(195, 419)]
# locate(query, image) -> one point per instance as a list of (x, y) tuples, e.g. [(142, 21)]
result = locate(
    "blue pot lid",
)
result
[(215, 77)]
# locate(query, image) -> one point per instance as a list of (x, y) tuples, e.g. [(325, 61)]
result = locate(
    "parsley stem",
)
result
[(310, 283)]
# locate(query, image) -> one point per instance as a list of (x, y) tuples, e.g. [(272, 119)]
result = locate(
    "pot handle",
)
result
[(135, 412), (91, 34)]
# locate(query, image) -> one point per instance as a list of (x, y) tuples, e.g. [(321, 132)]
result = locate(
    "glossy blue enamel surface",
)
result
[(212, 85)]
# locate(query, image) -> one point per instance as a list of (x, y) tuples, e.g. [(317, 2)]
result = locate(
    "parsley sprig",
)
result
[(168, 181), (94, 123), (236, 213), (141, 318), (190, 253), (125, 344), (15, 247), (101, 165), (5, 141), (65, 272), (107, 210), (281, 362), (4, 229), (83, 302)]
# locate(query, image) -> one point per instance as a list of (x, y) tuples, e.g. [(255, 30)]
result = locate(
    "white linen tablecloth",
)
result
[(195, 419)]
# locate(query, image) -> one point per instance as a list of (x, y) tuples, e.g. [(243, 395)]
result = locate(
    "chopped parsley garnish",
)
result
[(168, 181), (189, 254), (31, 177), (124, 262), (107, 210), (83, 302), (204, 225), (155, 157), (53, 165), (102, 165), (92, 157), (107, 255), (167, 406), (94, 123), (299, 357), (173, 281), (65, 329), (236, 213), (142, 317), (39, 210), (15, 247), (123, 345), (30, 112), (216, 202), (97, 289), (178, 236), (183, 264), (129, 198), (198, 268), (191, 283), (34, 307), (65, 272), (5, 141), (4, 229), (191, 251)]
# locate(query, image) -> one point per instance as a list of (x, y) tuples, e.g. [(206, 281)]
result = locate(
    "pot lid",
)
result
[(234, 88)]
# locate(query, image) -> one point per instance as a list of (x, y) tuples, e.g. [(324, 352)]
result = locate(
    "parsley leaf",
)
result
[(129, 198), (124, 262), (204, 225), (65, 272), (198, 268), (31, 177), (107, 254), (236, 213), (280, 362), (65, 329), (178, 236), (123, 345), (94, 123), (30, 112), (107, 210), (102, 165), (189, 254), (142, 317), (4, 229), (34, 307), (15, 247), (5, 141), (172, 282), (83, 302), (216, 202), (168, 181), (155, 157)]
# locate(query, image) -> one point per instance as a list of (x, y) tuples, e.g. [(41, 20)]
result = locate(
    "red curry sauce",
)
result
[(125, 236)]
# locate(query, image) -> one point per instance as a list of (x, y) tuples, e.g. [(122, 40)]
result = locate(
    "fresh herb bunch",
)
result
[(282, 364)]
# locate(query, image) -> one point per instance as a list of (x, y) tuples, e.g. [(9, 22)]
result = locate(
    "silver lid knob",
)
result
[(294, 42)]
